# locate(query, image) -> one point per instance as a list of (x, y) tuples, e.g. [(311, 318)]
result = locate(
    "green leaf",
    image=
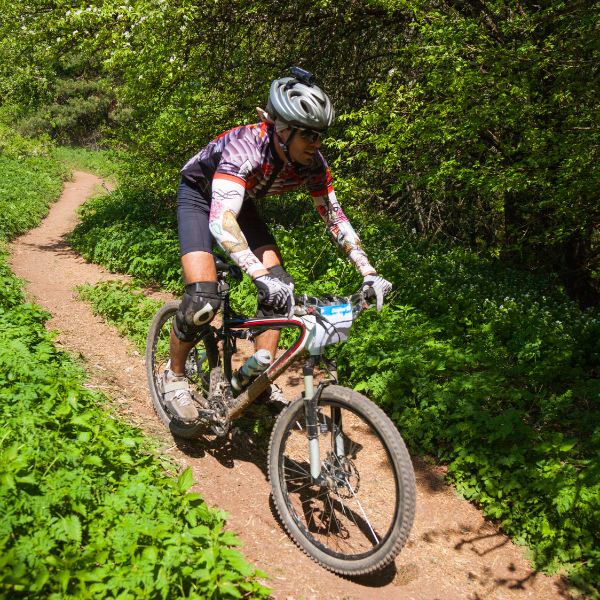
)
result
[(40, 579), (72, 526), (150, 553), (185, 481)]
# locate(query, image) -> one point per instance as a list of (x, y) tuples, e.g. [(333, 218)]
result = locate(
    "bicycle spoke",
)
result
[(359, 502), (344, 511), (296, 490), (337, 543), (362, 511), (303, 473), (297, 465)]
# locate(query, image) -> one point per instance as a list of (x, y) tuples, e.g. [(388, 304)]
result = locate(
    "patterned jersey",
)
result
[(248, 154), (243, 162)]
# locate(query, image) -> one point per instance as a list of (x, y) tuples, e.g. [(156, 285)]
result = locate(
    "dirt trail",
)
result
[(452, 552)]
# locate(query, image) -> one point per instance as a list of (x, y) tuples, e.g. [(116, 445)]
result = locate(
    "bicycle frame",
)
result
[(306, 324), (278, 367)]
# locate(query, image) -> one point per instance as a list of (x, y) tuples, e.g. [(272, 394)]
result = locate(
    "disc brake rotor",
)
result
[(344, 480)]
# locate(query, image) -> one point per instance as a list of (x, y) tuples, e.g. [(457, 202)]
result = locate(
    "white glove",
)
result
[(273, 292), (381, 286)]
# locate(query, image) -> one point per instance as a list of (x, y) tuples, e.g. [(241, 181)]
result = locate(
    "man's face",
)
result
[(301, 151)]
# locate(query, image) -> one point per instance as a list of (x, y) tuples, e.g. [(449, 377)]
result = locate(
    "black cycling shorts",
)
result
[(193, 210)]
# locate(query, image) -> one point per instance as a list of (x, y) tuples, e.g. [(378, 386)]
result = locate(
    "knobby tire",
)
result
[(360, 522), (157, 354)]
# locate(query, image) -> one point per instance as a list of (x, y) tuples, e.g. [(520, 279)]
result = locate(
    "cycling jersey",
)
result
[(243, 162)]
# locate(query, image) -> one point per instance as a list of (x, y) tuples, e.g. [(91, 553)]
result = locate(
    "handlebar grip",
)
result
[(262, 295), (370, 293)]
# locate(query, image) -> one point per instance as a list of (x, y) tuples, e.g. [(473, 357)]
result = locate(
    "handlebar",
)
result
[(307, 304), (328, 299)]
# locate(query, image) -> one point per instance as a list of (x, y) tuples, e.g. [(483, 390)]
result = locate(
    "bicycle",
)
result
[(342, 479)]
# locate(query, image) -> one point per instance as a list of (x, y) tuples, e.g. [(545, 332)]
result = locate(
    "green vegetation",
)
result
[(131, 232), (495, 373), (31, 178), (86, 509), (99, 162), (466, 148), (123, 305), (476, 122), (73, 110), (32, 173), (491, 370)]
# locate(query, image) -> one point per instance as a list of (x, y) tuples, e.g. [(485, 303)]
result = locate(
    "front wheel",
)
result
[(358, 521)]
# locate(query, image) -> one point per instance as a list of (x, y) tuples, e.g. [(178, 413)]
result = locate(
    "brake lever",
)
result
[(369, 293)]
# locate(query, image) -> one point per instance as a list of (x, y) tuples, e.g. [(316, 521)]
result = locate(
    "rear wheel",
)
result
[(201, 359), (360, 519)]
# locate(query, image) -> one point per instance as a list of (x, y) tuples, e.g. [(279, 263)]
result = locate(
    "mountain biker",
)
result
[(215, 199)]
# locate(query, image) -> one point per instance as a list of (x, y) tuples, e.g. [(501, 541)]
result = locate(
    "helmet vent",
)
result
[(306, 107)]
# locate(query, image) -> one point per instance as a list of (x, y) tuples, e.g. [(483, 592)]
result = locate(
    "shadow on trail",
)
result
[(247, 447), (461, 539), (378, 579), (242, 446), (481, 542)]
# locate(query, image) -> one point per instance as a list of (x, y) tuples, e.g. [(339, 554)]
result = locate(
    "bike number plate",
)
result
[(337, 327)]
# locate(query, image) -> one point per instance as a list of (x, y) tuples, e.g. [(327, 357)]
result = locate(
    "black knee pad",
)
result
[(280, 273), (198, 308)]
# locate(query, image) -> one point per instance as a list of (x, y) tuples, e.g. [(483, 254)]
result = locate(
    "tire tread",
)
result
[(396, 445)]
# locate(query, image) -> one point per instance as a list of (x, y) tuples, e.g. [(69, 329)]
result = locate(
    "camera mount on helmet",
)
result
[(301, 76)]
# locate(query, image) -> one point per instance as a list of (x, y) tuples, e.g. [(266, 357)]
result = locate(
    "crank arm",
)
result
[(207, 415)]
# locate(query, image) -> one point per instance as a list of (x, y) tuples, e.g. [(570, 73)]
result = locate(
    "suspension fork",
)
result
[(311, 399), (336, 413)]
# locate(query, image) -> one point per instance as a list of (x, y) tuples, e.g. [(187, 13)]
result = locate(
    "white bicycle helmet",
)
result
[(298, 102)]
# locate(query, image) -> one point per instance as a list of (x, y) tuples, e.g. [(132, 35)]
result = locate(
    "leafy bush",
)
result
[(86, 510), (123, 305), (76, 109), (492, 370), (31, 178), (496, 373)]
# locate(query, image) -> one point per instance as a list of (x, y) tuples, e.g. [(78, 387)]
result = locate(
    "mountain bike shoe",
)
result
[(177, 396)]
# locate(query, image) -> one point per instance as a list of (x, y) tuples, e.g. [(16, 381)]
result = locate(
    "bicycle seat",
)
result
[(225, 267)]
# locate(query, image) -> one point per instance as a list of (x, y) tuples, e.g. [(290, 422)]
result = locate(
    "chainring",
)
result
[(221, 427), (219, 400)]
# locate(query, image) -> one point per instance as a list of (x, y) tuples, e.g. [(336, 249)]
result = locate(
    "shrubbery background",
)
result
[(466, 150)]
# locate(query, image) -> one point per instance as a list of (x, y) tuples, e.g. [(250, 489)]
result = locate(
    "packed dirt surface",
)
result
[(452, 551)]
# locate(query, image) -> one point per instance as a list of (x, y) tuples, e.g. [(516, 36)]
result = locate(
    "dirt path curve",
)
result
[(452, 552)]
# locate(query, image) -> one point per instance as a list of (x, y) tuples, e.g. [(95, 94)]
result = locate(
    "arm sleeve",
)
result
[(227, 199), (344, 236)]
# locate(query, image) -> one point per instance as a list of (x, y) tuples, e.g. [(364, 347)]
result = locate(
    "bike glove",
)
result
[(273, 292), (381, 286)]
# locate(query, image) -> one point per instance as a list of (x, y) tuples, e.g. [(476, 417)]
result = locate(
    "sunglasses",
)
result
[(311, 135)]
